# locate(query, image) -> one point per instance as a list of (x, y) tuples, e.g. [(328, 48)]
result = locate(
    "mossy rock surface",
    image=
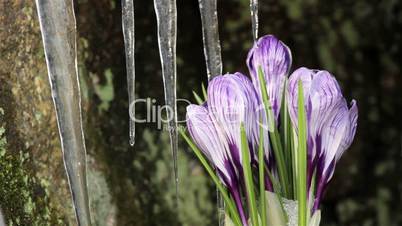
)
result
[(33, 187)]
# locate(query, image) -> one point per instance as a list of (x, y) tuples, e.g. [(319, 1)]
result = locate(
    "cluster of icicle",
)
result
[(58, 26)]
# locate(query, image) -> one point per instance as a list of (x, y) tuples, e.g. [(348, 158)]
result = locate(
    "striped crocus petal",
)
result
[(211, 142), (321, 96), (337, 135), (232, 100), (275, 59), (210, 139), (333, 135), (331, 125), (348, 138)]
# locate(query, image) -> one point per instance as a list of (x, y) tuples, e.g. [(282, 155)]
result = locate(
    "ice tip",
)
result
[(132, 141)]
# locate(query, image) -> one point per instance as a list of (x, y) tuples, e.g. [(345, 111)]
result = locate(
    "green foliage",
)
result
[(105, 92), (302, 159), (261, 177), (248, 177), (275, 139), (24, 198)]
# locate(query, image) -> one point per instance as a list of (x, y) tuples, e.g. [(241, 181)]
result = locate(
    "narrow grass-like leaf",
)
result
[(248, 177), (286, 135), (275, 138), (284, 124), (198, 98), (204, 92), (302, 158), (261, 170), (229, 202), (294, 162)]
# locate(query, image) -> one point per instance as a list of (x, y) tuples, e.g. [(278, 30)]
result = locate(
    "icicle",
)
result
[(129, 40), (210, 33), (213, 59), (254, 17), (166, 16), (57, 23)]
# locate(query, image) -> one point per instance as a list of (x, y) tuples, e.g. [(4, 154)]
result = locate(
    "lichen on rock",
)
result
[(23, 197)]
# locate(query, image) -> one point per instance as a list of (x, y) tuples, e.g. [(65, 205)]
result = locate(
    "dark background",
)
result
[(358, 41)]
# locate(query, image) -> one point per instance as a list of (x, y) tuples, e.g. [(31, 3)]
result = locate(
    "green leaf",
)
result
[(198, 98), (286, 135), (293, 148), (204, 92), (302, 158), (276, 215), (248, 177), (229, 202), (274, 135), (261, 170)]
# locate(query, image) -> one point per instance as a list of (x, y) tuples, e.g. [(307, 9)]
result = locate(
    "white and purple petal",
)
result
[(306, 76), (330, 124), (275, 59), (334, 132), (348, 138), (232, 100), (210, 140), (208, 136), (337, 136)]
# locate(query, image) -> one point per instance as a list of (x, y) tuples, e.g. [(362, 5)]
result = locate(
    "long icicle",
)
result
[(166, 16), (210, 34), (213, 59), (129, 43), (254, 18), (58, 26)]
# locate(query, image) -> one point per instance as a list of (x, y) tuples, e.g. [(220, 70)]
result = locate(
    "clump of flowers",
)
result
[(271, 143)]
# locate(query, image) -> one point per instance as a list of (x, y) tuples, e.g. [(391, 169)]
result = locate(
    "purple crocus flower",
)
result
[(210, 138), (233, 100), (215, 128), (331, 125), (275, 59)]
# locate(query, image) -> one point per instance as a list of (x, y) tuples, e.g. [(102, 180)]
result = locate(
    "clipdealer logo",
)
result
[(162, 115), (155, 113)]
